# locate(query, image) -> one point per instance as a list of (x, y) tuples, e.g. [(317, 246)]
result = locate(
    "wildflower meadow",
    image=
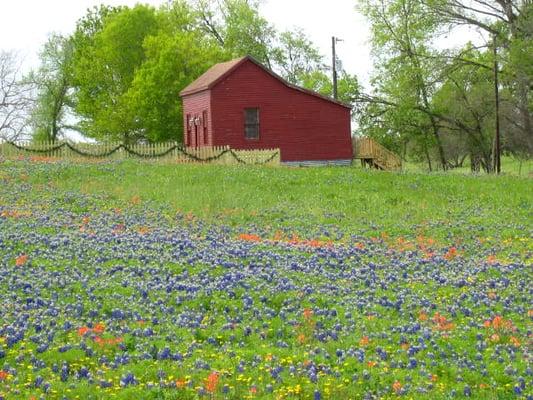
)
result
[(130, 280)]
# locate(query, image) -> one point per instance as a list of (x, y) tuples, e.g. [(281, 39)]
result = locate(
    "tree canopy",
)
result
[(439, 104), (118, 76)]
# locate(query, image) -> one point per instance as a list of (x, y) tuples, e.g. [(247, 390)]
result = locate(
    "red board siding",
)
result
[(196, 106), (304, 127)]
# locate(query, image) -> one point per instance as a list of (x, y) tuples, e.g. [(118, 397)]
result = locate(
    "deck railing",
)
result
[(370, 150)]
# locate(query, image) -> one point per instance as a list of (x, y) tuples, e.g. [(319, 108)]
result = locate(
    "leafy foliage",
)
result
[(54, 89), (439, 103), (105, 65)]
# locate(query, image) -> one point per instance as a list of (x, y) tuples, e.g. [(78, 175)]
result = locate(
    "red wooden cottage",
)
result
[(244, 105)]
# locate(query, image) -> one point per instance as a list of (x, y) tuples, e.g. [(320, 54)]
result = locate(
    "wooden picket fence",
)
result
[(170, 152)]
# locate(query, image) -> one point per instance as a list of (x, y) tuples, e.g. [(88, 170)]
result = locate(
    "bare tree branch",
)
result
[(15, 97)]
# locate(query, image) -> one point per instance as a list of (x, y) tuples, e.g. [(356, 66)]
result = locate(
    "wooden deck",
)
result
[(374, 155)]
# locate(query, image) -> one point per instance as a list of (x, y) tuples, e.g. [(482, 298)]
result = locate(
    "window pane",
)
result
[(204, 119), (252, 131), (251, 123), (252, 115)]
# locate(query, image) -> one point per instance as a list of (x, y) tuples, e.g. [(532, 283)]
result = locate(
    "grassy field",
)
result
[(369, 203), (510, 166), (135, 280)]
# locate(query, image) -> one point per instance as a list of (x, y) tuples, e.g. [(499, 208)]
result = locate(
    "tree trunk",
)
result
[(411, 52), (428, 158)]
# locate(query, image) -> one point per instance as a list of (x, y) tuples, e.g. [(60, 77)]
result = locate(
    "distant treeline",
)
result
[(119, 74)]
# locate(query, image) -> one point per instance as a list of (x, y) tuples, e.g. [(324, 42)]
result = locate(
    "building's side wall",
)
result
[(304, 127), (195, 105)]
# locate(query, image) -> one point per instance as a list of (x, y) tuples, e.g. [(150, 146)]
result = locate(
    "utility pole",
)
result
[(496, 151), (334, 41)]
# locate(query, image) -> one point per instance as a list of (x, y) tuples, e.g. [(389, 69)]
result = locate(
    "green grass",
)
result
[(510, 166), (357, 201)]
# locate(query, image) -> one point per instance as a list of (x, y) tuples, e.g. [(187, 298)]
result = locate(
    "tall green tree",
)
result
[(107, 56), (467, 95), (173, 61), (53, 81), (509, 25), (401, 33)]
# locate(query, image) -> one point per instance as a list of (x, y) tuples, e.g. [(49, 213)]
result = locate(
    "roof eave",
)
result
[(272, 73), (212, 84), (184, 93)]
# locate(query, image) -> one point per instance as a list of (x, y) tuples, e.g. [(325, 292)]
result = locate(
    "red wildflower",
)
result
[(500, 324), (211, 382), (397, 386), (21, 260), (364, 341), (3, 375), (99, 328), (249, 237), (143, 230), (83, 330), (497, 322), (295, 239), (451, 253), (301, 338), (278, 236), (308, 313), (180, 383), (442, 323)]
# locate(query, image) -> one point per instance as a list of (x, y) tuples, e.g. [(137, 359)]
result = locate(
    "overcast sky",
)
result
[(25, 25)]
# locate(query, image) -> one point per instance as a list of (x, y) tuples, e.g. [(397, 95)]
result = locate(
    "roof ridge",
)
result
[(212, 76), (218, 71)]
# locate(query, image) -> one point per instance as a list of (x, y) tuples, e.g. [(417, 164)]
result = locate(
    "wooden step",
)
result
[(376, 155)]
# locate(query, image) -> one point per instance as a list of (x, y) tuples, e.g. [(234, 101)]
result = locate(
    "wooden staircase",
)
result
[(374, 155)]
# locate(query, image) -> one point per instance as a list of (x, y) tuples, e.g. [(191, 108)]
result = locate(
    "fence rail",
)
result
[(169, 152)]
